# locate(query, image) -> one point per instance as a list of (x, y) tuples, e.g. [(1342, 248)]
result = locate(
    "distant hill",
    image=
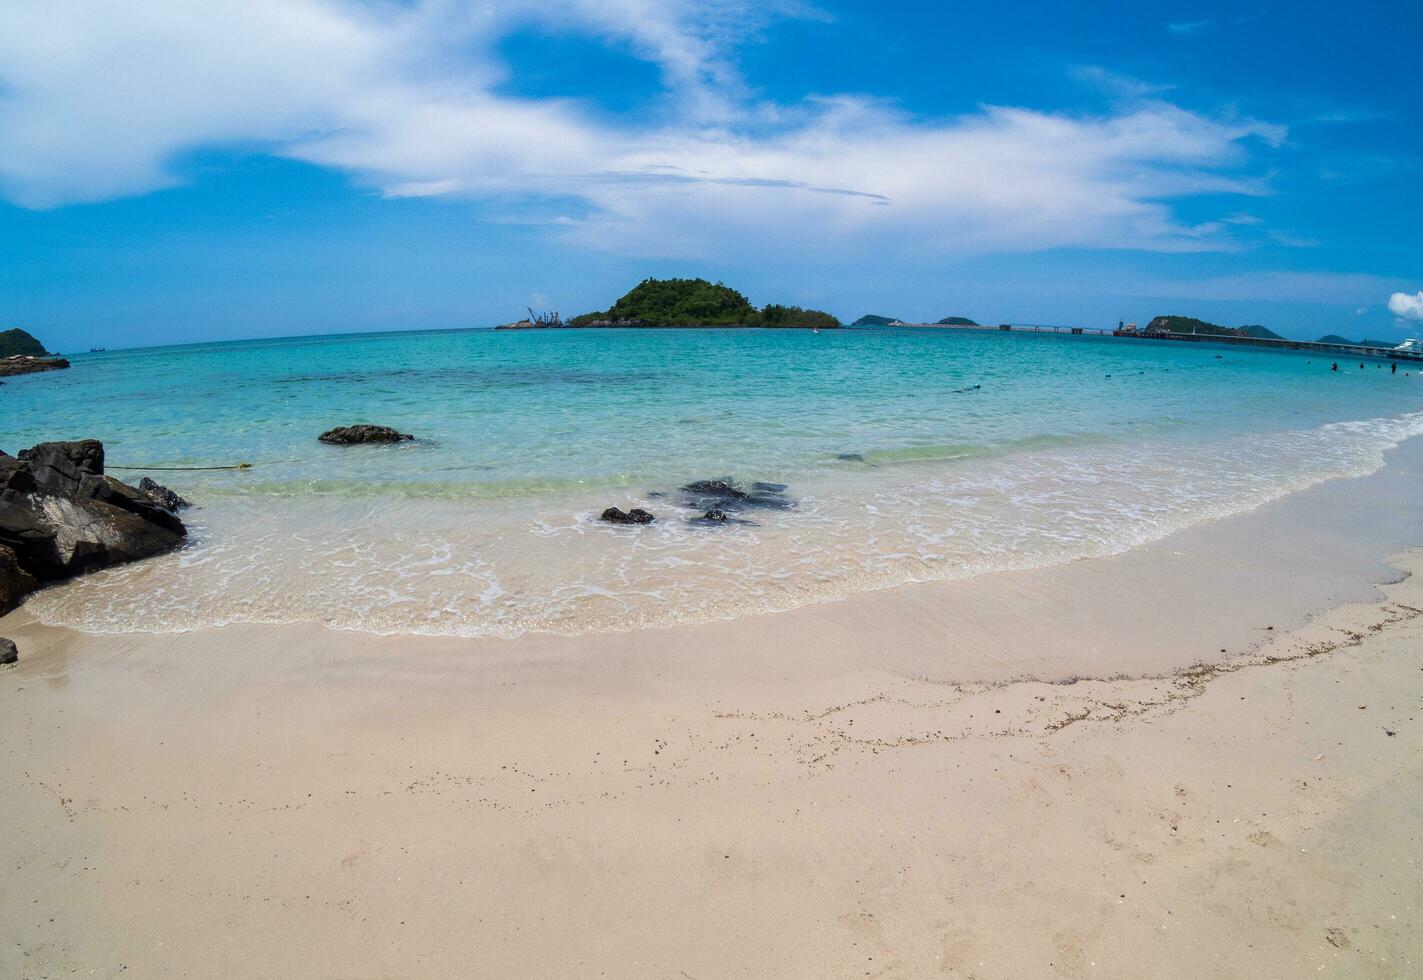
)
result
[(1334, 338), (1264, 333), (697, 303), (874, 320), (1189, 324), (957, 321), (18, 342)]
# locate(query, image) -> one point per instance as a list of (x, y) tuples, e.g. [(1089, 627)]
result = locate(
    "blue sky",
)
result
[(182, 171)]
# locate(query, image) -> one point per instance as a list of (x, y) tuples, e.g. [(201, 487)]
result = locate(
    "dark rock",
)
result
[(9, 653), (771, 495), (725, 495), (133, 500), (715, 517), (354, 435), (15, 582), (162, 496), (14, 474), (635, 516), (715, 488), (851, 457), (59, 467), (22, 364), (57, 537), (61, 516)]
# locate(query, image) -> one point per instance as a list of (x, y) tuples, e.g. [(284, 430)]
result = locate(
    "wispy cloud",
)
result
[(1115, 83), (1294, 241), (102, 96), (1187, 28)]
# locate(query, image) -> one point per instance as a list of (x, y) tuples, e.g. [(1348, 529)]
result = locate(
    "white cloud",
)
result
[(1409, 306), (102, 98)]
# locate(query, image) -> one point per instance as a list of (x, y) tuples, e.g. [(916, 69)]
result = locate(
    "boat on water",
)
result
[(97, 350), (1411, 346)]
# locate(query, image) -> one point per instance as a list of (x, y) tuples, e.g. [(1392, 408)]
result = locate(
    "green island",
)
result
[(17, 341), (1334, 338), (688, 303), (956, 321), (21, 353), (875, 320), (1189, 324)]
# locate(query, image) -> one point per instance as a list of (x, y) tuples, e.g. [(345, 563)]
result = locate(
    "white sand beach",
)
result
[(1019, 775)]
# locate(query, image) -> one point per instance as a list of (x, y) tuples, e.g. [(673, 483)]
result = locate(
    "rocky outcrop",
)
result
[(355, 435), (61, 515), (637, 515), (25, 364), (9, 653), (162, 496), (15, 582)]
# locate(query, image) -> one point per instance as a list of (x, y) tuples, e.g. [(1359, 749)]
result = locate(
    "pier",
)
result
[(1309, 346)]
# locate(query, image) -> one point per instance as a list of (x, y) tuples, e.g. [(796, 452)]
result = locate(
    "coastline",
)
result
[(905, 783), (668, 326)]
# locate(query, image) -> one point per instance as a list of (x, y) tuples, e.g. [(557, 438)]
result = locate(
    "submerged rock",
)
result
[(61, 516), (637, 515), (162, 496), (851, 457), (715, 516), (725, 495), (9, 653), (354, 435), (715, 488)]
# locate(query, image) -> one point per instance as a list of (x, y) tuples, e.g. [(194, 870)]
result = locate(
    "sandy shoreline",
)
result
[(898, 785)]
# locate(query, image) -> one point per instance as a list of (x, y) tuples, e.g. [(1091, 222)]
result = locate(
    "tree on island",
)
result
[(697, 303)]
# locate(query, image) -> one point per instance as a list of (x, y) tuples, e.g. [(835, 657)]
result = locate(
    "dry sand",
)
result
[(901, 785)]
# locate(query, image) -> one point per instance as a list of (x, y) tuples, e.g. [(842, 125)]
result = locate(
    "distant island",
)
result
[(21, 353), (1334, 338), (685, 303), (875, 320), (17, 341), (1189, 324)]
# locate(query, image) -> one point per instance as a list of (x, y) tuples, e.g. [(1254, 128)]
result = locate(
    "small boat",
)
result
[(1411, 346), (97, 350)]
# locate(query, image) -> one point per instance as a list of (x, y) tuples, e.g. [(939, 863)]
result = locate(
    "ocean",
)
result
[(906, 455)]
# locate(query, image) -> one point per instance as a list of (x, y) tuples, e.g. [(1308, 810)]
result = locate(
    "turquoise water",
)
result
[(1068, 447)]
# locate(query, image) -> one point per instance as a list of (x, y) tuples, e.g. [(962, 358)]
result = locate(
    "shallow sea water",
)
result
[(1069, 447)]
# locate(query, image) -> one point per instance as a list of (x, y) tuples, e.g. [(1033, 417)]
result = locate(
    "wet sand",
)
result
[(1200, 758)]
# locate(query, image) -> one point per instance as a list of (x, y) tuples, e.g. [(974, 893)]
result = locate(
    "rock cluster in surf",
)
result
[(616, 515), (356, 435), (716, 501), (61, 516)]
